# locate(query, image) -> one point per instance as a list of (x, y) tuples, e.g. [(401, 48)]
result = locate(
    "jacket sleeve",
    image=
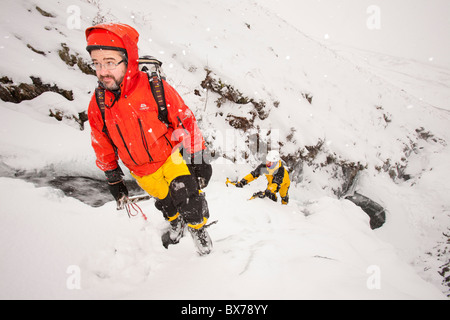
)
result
[(186, 130), (255, 173), (103, 147)]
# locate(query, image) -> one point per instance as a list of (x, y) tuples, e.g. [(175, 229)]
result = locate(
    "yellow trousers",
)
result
[(157, 184)]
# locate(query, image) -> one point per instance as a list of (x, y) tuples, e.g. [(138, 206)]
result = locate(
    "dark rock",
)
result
[(375, 211), (9, 92)]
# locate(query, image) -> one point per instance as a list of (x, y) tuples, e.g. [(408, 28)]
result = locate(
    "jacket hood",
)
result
[(117, 36)]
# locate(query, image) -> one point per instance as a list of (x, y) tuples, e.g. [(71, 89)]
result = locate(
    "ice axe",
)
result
[(231, 182), (129, 203), (259, 194)]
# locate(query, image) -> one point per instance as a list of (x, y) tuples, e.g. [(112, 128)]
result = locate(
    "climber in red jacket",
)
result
[(129, 129)]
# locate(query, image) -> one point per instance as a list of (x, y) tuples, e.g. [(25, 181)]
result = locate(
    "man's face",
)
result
[(111, 79)]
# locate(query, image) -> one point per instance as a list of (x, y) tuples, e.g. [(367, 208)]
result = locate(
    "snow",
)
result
[(366, 107), (403, 28), (319, 251)]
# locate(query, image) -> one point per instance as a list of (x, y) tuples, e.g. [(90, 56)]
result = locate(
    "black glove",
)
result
[(114, 175), (259, 194), (118, 190), (115, 183), (241, 183), (201, 170), (270, 195)]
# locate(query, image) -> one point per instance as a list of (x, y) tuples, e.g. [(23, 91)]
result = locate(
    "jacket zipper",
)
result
[(182, 125), (168, 141), (144, 140), (124, 143)]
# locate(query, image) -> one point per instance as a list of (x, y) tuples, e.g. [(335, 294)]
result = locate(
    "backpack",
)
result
[(152, 67), (155, 77)]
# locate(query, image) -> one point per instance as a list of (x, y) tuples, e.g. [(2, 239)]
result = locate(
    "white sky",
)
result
[(418, 29)]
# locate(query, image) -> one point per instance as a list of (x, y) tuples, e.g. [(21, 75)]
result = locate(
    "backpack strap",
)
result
[(100, 98), (157, 87), (156, 84)]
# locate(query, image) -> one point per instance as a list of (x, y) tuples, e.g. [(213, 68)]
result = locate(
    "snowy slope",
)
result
[(324, 250), (365, 109)]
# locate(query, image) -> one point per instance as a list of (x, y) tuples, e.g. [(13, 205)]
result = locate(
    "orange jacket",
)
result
[(143, 142)]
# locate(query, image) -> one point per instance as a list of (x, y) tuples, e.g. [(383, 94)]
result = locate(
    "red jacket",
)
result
[(143, 142)]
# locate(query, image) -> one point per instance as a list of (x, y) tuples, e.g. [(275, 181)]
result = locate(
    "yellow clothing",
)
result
[(161, 182), (157, 184), (277, 179)]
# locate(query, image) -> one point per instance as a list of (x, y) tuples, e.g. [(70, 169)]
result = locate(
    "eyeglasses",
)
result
[(97, 66)]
